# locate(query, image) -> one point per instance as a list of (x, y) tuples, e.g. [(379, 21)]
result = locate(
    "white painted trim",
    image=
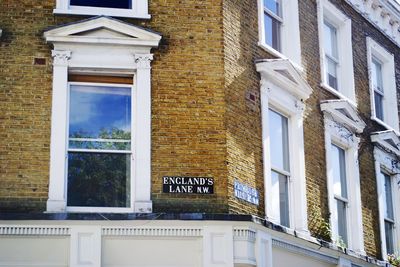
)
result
[(344, 262), (346, 87), (244, 241), (290, 32), (264, 249), (382, 15), (353, 122), (218, 246), (152, 231), (85, 246), (78, 56), (139, 10), (384, 162), (125, 34), (338, 94), (338, 134), (285, 96), (390, 110), (309, 253), (380, 138), (227, 243), (36, 230)]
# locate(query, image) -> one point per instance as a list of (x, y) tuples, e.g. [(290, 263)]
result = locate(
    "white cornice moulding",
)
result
[(103, 30), (29, 230), (388, 140), (283, 73), (344, 113), (382, 14), (152, 231)]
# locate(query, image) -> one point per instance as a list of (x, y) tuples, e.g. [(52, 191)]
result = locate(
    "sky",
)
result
[(93, 108)]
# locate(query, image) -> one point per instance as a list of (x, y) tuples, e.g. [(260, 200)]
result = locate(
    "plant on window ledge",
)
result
[(322, 228), (340, 243), (394, 260)]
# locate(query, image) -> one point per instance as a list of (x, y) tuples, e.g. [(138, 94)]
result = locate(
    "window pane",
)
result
[(100, 117), (342, 220), (330, 40), (279, 141), (272, 32), (102, 3), (280, 196), (378, 105), (331, 72), (98, 180), (389, 237), (376, 73), (388, 196), (273, 6), (339, 171)]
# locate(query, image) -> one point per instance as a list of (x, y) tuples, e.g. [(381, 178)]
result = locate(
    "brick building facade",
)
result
[(211, 81)]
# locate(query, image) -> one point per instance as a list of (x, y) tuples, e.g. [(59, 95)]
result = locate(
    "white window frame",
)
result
[(386, 161), (132, 150), (289, 32), (341, 130), (345, 71), (286, 97), (336, 198), (139, 10), (101, 54), (390, 110)]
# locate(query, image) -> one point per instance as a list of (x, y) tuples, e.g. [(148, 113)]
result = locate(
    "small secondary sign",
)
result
[(246, 193), (188, 185)]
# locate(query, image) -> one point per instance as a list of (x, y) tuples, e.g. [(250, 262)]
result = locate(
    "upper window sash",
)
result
[(330, 41), (339, 172), (273, 8), (377, 76), (279, 139)]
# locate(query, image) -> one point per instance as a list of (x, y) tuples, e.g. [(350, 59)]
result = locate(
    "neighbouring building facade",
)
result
[(199, 133)]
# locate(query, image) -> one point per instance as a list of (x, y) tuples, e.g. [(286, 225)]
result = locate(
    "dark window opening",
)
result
[(126, 4)]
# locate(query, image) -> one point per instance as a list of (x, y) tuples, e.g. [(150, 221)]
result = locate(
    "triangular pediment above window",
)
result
[(343, 113), (284, 74), (387, 140), (104, 30)]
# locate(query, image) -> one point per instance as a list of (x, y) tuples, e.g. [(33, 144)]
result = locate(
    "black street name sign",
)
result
[(188, 185)]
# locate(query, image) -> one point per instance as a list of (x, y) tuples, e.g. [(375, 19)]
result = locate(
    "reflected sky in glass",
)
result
[(100, 112), (273, 5), (339, 171), (279, 142)]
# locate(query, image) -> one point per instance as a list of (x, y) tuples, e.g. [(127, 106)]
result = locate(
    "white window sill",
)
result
[(338, 94), (96, 12), (98, 210), (278, 54), (387, 126)]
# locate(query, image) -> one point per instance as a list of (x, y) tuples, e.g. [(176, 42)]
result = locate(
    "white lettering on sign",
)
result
[(188, 185), (246, 193)]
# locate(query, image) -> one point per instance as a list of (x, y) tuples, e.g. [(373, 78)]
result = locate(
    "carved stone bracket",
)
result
[(143, 60), (60, 58)]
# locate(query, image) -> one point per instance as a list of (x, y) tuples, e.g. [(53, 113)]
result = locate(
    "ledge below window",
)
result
[(387, 126), (338, 94), (278, 54)]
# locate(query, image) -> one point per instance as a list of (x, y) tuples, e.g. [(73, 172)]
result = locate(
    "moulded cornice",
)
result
[(283, 73), (343, 113), (383, 14), (103, 30), (388, 140)]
